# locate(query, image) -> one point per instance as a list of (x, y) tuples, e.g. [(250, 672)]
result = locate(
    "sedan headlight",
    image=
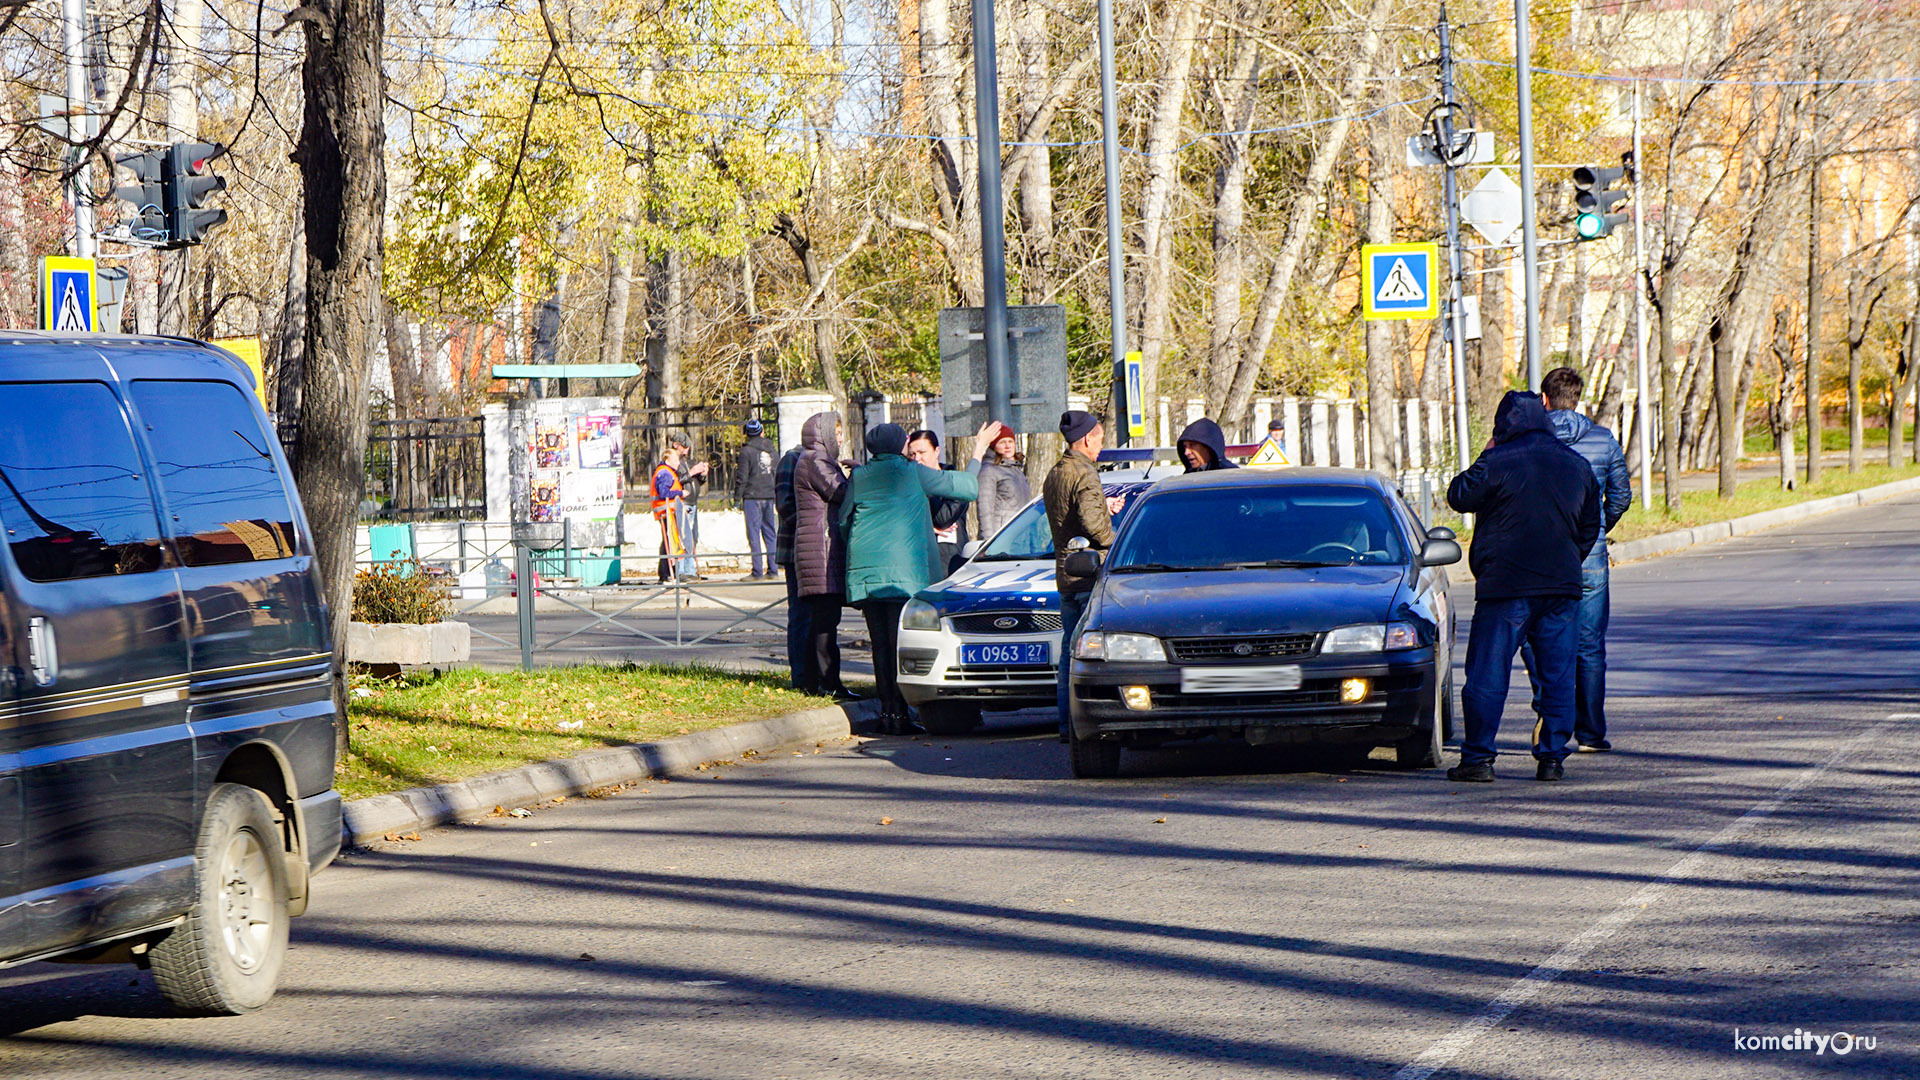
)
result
[(919, 615), (1094, 645), (1371, 638)]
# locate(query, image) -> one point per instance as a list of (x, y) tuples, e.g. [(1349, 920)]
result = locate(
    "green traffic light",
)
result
[(1590, 226)]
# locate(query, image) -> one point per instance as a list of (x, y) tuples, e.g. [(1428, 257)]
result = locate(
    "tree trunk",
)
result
[(16, 273), (1812, 380), (342, 155), (288, 345), (1229, 222), (1381, 421), (1782, 345), (183, 123), (1155, 307), (1304, 217), (1577, 309), (1721, 337), (1669, 388), (1903, 383), (401, 362), (1491, 377)]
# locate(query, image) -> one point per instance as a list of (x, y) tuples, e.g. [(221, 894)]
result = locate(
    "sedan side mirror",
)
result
[(1440, 532), (1082, 560), (1440, 552)]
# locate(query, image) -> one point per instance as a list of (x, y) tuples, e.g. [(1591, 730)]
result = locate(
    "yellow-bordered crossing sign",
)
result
[(67, 295), (1400, 281)]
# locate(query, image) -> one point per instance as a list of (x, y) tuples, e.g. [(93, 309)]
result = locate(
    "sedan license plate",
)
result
[(1016, 652), (1239, 680)]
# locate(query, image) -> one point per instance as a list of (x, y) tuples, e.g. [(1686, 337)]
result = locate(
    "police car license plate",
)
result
[(1016, 652), (1239, 680)]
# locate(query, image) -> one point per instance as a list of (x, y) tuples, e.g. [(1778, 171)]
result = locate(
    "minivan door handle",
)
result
[(43, 654)]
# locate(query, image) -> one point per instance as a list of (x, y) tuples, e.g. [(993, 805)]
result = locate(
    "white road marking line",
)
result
[(1529, 986)]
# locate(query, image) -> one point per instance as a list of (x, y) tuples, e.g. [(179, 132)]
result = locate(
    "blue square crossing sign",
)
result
[(66, 295), (1399, 281)]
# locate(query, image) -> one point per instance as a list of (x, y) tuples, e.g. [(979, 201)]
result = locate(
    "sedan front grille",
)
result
[(1007, 622), (1259, 647)]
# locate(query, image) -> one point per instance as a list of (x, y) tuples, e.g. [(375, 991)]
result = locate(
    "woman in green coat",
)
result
[(891, 553)]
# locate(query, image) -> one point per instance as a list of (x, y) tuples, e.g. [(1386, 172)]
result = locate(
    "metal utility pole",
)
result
[(993, 229), (1456, 328), (1529, 235), (1643, 408), (73, 14), (1116, 255)]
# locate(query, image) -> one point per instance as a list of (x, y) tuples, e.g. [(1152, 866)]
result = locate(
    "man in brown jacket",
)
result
[(1076, 506)]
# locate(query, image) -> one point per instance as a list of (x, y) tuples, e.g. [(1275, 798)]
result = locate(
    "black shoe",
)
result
[(1598, 747), (1548, 769), (844, 695), (1479, 773)]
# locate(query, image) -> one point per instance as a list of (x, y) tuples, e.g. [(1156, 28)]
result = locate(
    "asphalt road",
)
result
[(1745, 864)]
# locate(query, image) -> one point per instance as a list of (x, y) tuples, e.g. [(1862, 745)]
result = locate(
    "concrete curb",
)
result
[(466, 800), (1666, 543)]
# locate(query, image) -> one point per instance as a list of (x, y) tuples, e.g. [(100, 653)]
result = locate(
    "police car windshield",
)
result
[(1235, 527), (1028, 536)]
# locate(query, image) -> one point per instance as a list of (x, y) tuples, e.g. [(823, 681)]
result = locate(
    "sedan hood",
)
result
[(1231, 602)]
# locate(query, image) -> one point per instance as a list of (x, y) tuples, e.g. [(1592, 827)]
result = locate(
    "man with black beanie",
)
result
[(1076, 506), (1539, 514)]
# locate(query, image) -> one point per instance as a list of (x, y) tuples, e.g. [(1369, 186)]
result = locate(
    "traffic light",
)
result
[(147, 222), (189, 180), (1594, 197)]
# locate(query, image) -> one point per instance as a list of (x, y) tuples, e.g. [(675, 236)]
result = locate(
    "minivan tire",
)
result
[(225, 958)]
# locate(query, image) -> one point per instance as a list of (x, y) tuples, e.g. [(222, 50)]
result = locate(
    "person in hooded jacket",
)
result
[(1561, 388), (753, 487), (787, 507), (819, 553), (891, 552), (1539, 515), (1203, 447), (1004, 490)]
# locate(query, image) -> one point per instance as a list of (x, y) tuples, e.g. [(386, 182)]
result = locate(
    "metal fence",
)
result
[(434, 468)]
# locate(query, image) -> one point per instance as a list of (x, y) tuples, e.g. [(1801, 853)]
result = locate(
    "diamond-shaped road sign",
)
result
[(1493, 207), (1037, 354), (1398, 281)]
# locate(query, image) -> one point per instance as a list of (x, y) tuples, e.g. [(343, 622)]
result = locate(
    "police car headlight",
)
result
[(1094, 645), (1371, 638), (919, 615)]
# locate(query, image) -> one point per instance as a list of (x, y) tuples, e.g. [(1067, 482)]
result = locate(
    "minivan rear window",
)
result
[(216, 472), (73, 497)]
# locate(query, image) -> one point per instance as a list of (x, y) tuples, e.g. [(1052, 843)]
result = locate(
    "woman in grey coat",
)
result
[(1004, 490)]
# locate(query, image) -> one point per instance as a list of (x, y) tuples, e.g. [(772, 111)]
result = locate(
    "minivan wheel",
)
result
[(225, 958), (949, 717), (1093, 759)]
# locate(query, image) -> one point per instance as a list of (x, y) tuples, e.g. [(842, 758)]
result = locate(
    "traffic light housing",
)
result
[(1594, 196), (147, 221), (189, 180)]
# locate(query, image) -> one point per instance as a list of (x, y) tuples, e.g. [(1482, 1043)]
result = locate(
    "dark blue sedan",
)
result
[(1269, 606)]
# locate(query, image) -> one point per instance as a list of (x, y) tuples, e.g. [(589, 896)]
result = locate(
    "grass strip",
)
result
[(1752, 497), (429, 729)]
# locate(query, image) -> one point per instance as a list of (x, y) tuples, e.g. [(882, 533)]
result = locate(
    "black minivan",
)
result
[(166, 705)]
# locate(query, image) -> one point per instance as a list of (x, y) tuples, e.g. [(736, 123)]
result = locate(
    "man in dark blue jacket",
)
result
[(1538, 509), (1203, 447), (1562, 388)]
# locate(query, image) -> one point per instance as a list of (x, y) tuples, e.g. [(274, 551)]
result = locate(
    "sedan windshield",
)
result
[(1278, 526)]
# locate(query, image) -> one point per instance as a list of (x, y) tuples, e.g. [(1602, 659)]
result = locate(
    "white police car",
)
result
[(988, 637)]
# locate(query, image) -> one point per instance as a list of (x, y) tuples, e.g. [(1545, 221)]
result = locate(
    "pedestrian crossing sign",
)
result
[(1397, 281), (1271, 455), (67, 295)]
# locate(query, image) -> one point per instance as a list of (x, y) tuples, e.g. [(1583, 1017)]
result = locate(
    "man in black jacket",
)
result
[(753, 486), (1539, 515)]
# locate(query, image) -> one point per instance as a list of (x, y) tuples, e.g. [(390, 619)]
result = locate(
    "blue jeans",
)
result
[(1590, 657), (762, 534), (797, 630), (1550, 624), (1073, 608)]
